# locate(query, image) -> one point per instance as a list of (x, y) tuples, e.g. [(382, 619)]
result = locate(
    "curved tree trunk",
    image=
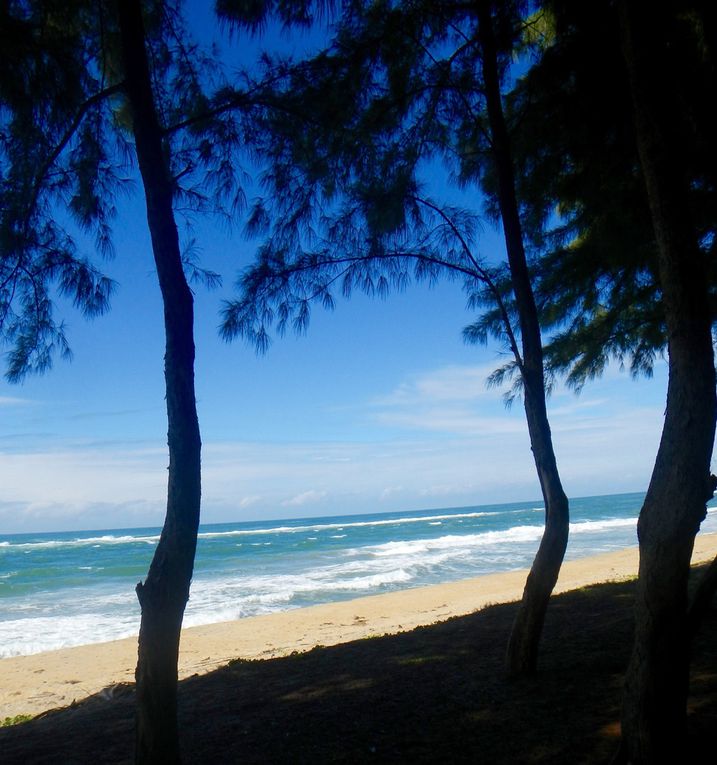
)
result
[(164, 594), (522, 652), (656, 683)]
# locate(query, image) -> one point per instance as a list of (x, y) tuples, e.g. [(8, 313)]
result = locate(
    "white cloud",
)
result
[(249, 501), (457, 420), (76, 474), (452, 400), (574, 405), (446, 448), (390, 491), (305, 498), (261, 480), (14, 401), (452, 383), (68, 516)]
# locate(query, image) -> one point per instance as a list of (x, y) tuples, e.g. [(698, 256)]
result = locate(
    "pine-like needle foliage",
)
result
[(54, 167), (65, 157), (585, 206), (349, 139), (351, 136)]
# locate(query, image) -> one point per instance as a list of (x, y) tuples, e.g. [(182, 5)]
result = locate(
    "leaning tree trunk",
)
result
[(522, 651), (164, 594), (656, 683)]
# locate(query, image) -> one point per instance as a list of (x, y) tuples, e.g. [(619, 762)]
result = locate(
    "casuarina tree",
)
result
[(625, 154), (91, 84), (41, 162), (164, 594), (348, 137), (654, 712)]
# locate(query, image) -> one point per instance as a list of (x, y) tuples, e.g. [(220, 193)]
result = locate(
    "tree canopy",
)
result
[(543, 117), (105, 86), (66, 159), (612, 190), (52, 159), (585, 203), (404, 91)]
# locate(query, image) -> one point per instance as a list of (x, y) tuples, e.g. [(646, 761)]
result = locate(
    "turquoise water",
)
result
[(63, 589)]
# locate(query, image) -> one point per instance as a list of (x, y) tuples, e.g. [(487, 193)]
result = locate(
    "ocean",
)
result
[(73, 588)]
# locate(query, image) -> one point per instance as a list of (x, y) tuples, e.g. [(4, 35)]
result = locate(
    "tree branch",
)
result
[(484, 277), (67, 137)]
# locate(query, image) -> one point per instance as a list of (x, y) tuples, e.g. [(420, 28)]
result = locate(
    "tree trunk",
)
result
[(702, 599), (656, 683), (164, 594), (706, 586), (522, 651)]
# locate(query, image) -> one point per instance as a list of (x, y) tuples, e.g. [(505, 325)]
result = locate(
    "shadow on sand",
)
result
[(436, 695)]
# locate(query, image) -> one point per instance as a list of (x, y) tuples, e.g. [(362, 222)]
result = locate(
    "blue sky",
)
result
[(381, 407)]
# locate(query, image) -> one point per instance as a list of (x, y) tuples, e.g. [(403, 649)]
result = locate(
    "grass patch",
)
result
[(8, 721)]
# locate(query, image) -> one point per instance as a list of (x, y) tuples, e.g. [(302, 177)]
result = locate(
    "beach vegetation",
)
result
[(42, 164), (405, 91), (654, 719), (627, 276), (616, 206), (603, 183), (15, 720), (88, 90)]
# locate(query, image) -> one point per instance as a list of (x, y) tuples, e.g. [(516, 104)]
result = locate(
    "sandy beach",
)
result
[(33, 684)]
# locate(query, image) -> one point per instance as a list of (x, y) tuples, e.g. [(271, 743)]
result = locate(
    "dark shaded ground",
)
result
[(436, 695)]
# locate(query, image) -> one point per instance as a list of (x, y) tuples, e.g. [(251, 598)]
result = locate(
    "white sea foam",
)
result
[(107, 539), (342, 526), (235, 583), (582, 527), (20, 637), (151, 539), (221, 600), (362, 570), (48, 622), (513, 535), (415, 547)]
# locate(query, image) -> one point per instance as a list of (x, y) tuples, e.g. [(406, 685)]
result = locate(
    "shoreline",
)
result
[(39, 682)]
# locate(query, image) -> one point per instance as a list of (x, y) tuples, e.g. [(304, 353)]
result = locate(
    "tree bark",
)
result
[(522, 651), (656, 683), (702, 599), (164, 594)]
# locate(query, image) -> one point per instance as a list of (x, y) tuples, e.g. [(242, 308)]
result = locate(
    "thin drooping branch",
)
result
[(485, 277), (53, 156), (257, 96)]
